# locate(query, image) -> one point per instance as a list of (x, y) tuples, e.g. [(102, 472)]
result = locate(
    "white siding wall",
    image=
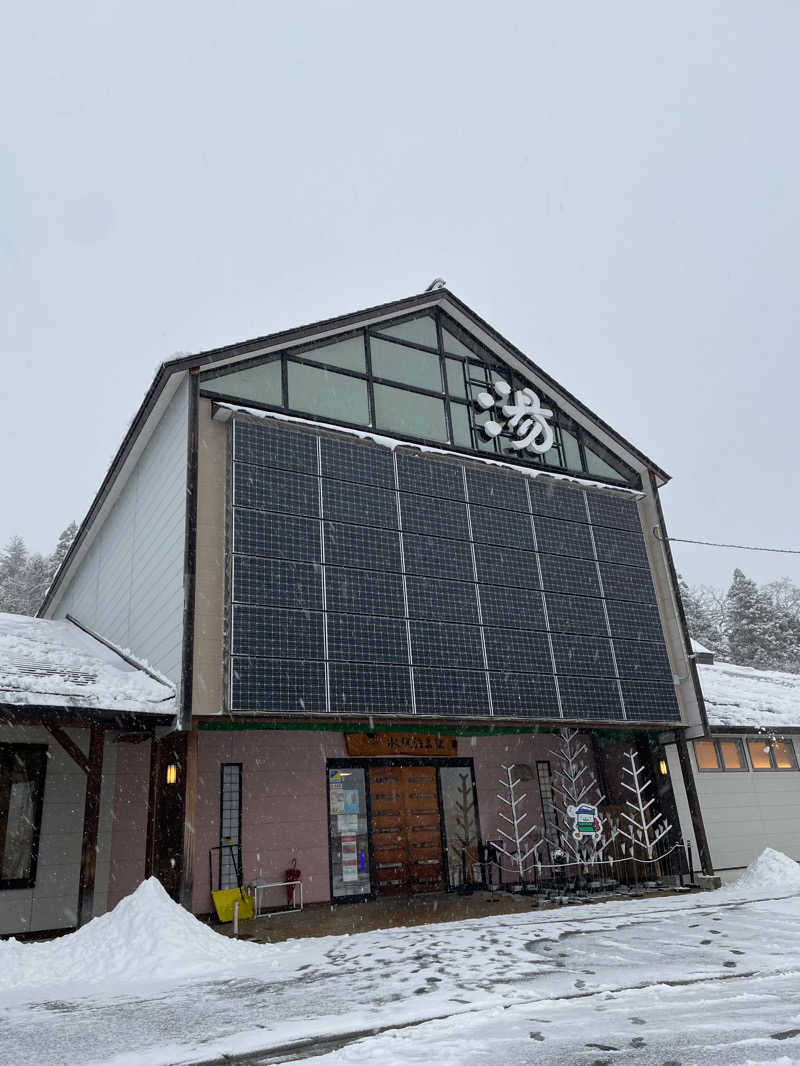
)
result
[(53, 902), (129, 585), (743, 812)]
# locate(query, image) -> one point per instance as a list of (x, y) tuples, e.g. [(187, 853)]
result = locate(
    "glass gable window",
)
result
[(418, 377), (324, 392), (260, 384)]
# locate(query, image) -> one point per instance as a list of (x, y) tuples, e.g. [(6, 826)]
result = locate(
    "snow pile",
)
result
[(741, 696), (57, 664), (147, 937), (772, 873)]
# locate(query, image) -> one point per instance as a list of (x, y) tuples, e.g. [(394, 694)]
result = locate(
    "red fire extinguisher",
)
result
[(291, 875)]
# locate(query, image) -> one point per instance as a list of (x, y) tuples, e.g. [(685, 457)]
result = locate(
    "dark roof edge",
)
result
[(194, 362)]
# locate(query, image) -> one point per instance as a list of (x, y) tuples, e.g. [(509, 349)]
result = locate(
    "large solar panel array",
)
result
[(373, 582)]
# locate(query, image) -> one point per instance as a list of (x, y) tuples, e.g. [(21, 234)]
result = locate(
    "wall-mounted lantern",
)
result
[(172, 773)]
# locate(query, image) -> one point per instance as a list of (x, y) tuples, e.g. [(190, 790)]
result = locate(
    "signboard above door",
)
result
[(422, 745)]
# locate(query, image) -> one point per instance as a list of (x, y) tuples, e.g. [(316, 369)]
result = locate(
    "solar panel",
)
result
[(520, 650), (569, 576), (362, 638), (276, 535), (446, 644), (465, 583), (271, 685), (429, 477), (360, 689), (437, 558), (576, 653), (364, 591), (564, 538), (362, 463), (575, 614), (616, 546), (511, 607), (438, 518), (642, 660), (636, 621), (453, 601), (493, 488), (506, 566), (592, 698), (343, 501), (524, 695), (362, 546), (627, 583), (553, 501), (269, 489), (613, 511), (490, 525), (456, 693), (650, 701), (277, 582), (277, 633), (269, 446)]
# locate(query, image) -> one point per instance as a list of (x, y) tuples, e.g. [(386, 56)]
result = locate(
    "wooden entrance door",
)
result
[(406, 829)]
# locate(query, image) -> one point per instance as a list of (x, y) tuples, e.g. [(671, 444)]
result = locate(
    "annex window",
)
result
[(719, 755), (230, 824), (772, 754), (22, 773), (418, 377)]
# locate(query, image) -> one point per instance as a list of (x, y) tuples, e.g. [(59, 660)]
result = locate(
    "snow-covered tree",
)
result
[(64, 544), (642, 826), (14, 598), (25, 578), (756, 630), (706, 615), (517, 835)]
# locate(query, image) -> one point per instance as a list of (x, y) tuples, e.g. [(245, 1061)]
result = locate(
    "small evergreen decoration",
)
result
[(517, 835), (465, 821), (641, 830)]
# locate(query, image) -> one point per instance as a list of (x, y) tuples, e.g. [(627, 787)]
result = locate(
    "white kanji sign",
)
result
[(523, 417)]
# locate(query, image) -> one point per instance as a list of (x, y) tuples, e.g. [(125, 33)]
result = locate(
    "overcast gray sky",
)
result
[(614, 186)]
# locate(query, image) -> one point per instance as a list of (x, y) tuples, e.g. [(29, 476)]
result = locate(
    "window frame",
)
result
[(39, 777), (773, 767), (304, 354), (721, 768)]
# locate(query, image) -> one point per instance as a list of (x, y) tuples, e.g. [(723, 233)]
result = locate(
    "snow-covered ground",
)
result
[(713, 978)]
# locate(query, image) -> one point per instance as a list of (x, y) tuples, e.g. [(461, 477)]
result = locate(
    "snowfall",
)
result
[(709, 978)]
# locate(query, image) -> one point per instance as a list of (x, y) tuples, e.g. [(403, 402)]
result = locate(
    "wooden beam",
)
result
[(693, 799), (91, 824), (152, 801), (68, 744)]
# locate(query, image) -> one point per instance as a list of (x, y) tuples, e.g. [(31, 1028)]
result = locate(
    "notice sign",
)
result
[(349, 857), (336, 789)]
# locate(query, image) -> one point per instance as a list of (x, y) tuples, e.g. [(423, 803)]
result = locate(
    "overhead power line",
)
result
[(741, 547)]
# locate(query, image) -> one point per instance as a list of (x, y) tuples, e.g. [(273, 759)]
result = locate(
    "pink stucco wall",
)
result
[(129, 834), (284, 806)]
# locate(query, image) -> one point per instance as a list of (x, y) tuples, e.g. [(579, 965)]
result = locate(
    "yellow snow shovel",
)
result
[(225, 898)]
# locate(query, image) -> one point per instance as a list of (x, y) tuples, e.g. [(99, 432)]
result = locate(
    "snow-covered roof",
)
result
[(741, 697), (46, 663)]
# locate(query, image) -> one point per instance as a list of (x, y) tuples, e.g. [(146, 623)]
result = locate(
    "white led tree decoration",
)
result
[(516, 835), (576, 797), (642, 830)]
